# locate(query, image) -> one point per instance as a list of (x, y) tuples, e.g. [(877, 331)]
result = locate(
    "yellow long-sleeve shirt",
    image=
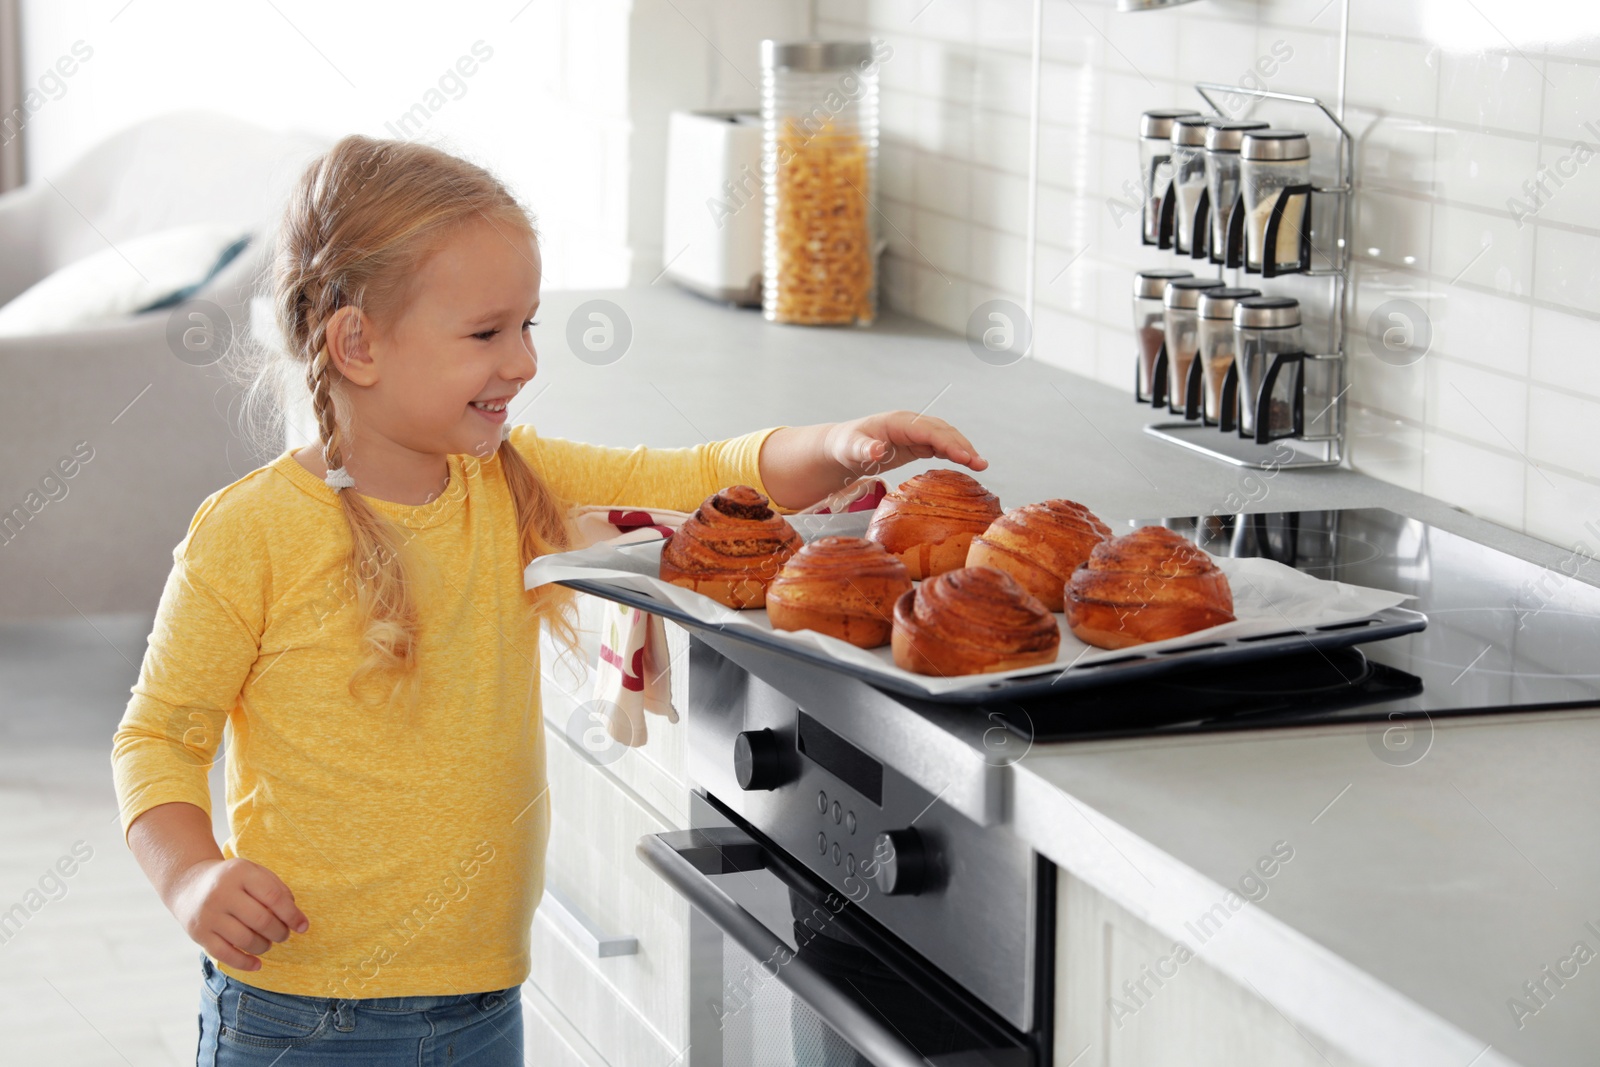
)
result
[(414, 842)]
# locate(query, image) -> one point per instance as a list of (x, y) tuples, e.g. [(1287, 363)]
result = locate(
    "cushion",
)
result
[(145, 273)]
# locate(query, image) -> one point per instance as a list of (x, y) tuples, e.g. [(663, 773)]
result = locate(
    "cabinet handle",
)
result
[(583, 931)]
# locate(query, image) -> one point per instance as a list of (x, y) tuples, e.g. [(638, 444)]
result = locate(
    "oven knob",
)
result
[(902, 862), (758, 760)]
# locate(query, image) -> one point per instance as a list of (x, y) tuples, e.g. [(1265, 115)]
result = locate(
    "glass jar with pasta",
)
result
[(820, 111)]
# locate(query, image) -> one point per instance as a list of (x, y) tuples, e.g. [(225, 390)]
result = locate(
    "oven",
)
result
[(859, 895), (841, 913)]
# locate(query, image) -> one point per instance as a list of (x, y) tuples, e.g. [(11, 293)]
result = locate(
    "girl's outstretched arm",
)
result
[(802, 464)]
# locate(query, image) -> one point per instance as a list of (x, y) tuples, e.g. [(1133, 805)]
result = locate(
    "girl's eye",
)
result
[(485, 335)]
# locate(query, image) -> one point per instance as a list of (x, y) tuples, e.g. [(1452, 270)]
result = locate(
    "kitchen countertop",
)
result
[(1419, 899)]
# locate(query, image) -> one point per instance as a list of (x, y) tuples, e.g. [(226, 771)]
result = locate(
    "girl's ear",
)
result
[(348, 349)]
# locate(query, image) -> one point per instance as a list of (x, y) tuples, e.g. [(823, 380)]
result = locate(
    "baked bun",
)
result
[(1040, 545), (844, 587), (1148, 586), (972, 620), (930, 521), (730, 549)]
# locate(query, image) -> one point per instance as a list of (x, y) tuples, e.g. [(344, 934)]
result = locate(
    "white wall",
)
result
[(546, 111), (1455, 106), (565, 110)]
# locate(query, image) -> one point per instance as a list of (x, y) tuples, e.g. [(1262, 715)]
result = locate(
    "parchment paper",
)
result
[(1268, 597)]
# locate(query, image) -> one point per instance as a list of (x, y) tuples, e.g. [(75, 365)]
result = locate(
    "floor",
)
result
[(99, 972)]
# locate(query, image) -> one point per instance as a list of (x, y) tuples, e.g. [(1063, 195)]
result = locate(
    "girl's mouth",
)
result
[(493, 410)]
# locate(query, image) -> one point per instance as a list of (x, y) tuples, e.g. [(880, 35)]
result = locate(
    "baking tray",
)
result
[(1130, 666)]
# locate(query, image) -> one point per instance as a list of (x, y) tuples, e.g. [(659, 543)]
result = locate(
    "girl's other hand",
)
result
[(881, 442), (236, 910)]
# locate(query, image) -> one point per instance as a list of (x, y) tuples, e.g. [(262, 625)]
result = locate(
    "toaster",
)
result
[(712, 236)]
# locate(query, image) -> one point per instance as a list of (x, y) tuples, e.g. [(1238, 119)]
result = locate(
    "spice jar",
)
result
[(1149, 325), (1267, 330), (1223, 138), (1271, 161), (1188, 180), (1215, 311), (1181, 304), (819, 109), (1155, 164)]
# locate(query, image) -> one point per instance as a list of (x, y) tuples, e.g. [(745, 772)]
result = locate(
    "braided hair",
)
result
[(360, 221)]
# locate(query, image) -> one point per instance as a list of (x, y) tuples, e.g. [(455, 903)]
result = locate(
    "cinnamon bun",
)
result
[(1040, 545), (844, 587), (972, 620), (930, 521), (1147, 586), (730, 549)]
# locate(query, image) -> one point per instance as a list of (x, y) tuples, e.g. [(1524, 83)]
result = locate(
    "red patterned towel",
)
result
[(634, 674)]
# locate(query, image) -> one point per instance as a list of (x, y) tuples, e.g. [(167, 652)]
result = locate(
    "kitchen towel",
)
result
[(634, 672)]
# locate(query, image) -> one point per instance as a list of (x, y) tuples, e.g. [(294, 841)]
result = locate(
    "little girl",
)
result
[(354, 614)]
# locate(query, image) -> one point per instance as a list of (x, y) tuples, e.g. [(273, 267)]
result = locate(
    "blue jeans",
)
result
[(242, 1026)]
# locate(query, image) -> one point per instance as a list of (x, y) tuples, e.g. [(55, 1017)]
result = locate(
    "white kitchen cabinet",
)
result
[(626, 1009), (1197, 1017), (549, 1038)]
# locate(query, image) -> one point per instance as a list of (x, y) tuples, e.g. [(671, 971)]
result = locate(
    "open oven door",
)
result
[(785, 970)]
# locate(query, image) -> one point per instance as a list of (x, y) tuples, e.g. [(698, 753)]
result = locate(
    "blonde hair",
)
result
[(359, 223)]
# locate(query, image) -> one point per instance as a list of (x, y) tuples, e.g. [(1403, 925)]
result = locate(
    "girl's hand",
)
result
[(236, 910), (889, 439)]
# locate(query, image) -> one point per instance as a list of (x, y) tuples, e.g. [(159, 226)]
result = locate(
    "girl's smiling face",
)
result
[(441, 377)]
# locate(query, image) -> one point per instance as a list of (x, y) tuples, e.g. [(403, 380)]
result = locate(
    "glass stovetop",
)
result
[(1503, 634)]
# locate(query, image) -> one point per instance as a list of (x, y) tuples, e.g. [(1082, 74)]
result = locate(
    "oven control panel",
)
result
[(964, 895)]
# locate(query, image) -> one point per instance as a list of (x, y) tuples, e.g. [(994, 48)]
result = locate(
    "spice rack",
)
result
[(1319, 435)]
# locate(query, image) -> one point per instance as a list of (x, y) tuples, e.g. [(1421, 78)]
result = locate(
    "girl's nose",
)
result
[(524, 362)]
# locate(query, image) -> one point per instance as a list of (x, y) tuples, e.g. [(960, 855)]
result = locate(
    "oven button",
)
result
[(758, 760), (838, 812), (850, 821), (835, 854), (850, 862), (822, 843), (822, 801), (902, 862)]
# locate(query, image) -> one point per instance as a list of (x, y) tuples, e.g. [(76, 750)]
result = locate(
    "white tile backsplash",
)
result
[(1482, 169), (1485, 482), (1490, 89), (1565, 352), (1560, 507), (1395, 229), (1474, 327), (1450, 122), (1567, 269), (942, 184), (1561, 428), (1392, 75), (1477, 405), (1215, 50), (999, 200), (1474, 247), (1574, 163), (1386, 447), (1571, 98)]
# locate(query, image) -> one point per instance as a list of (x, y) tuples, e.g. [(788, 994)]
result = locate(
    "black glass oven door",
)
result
[(785, 970)]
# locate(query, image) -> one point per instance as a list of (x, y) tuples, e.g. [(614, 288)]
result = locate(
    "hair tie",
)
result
[(505, 430), (339, 478)]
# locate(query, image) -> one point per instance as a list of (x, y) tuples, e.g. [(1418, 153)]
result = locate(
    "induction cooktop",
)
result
[(1503, 635)]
